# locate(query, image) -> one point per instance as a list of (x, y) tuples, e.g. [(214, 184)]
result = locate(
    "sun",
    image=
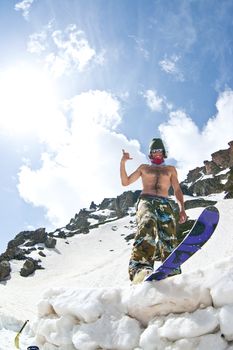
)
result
[(27, 99)]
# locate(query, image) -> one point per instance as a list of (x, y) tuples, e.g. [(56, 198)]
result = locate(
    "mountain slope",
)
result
[(95, 264), (78, 275)]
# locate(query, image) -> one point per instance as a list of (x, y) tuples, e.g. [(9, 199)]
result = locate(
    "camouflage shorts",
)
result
[(156, 233)]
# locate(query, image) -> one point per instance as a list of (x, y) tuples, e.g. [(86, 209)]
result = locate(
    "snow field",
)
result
[(182, 312), (85, 301)]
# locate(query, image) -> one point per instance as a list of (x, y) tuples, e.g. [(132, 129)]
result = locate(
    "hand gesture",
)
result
[(125, 156)]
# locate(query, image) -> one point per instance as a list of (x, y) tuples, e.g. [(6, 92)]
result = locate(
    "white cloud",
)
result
[(169, 65), (29, 106), (190, 146), (25, 7), (37, 42), (155, 102), (86, 167), (64, 50)]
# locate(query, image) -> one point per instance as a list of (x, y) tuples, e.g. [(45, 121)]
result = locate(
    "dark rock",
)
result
[(229, 185), (85, 230), (33, 237), (196, 185), (28, 251), (207, 186), (50, 242), (231, 153), (5, 269), (93, 206), (80, 221), (130, 236), (221, 158), (195, 174), (211, 167), (125, 201), (42, 254), (196, 203), (13, 253), (60, 233), (28, 244), (29, 267), (108, 203), (120, 204), (18, 240), (39, 236)]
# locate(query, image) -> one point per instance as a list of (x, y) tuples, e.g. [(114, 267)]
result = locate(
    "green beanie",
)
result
[(157, 144)]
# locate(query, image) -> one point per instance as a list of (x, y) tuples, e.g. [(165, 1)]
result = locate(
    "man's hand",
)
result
[(182, 217), (125, 156)]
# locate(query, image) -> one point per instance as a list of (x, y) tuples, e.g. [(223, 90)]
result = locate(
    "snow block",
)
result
[(189, 325), (175, 295), (226, 321)]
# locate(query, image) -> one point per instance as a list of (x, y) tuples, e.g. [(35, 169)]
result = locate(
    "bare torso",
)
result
[(156, 180)]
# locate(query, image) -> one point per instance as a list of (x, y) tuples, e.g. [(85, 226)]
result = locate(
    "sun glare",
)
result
[(27, 99)]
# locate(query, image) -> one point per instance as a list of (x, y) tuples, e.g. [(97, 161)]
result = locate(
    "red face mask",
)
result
[(157, 161)]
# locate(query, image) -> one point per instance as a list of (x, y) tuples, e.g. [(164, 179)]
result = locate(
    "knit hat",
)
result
[(157, 144)]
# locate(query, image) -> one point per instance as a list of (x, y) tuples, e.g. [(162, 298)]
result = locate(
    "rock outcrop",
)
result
[(29, 267), (21, 247), (216, 176), (5, 269)]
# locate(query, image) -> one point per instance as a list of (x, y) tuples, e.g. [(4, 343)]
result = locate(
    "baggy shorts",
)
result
[(156, 233)]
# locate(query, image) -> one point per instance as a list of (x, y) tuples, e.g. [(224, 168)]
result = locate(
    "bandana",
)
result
[(157, 161)]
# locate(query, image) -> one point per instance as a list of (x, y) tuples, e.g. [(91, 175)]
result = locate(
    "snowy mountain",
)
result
[(77, 294)]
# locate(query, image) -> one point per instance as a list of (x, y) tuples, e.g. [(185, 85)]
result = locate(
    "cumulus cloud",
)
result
[(155, 102), (189, 145), (86, 167), (170, 66), (63, 50), (37, 42), (25, 7)]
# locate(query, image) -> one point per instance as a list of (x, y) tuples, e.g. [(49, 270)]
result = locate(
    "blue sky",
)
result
[(82, 79)]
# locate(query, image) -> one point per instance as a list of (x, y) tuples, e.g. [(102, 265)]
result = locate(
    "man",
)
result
[(156, 226)]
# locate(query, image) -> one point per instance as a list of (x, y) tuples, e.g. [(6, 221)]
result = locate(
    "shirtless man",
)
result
[(155, 214)]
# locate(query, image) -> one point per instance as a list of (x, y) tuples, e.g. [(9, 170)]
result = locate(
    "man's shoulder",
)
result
[(142, 167), (173, 170), (172, 167)]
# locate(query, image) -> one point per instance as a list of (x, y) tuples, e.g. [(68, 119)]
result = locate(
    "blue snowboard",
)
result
[(195, 239)]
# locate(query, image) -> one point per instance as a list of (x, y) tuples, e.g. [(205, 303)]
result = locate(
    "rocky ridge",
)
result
[(216, 176)]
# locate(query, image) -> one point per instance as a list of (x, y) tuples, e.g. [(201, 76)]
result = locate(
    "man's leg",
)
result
[(167, 240), (142, 257)]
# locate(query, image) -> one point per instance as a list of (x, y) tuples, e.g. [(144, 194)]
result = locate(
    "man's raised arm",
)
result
[(125, 179)]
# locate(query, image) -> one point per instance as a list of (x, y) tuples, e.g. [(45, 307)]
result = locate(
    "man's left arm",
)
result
[(179, 196)]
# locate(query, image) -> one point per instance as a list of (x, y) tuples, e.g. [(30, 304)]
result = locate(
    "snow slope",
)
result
[(86, 301)]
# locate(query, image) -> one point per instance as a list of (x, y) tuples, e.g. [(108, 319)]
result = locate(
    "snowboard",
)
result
[(199, 234)]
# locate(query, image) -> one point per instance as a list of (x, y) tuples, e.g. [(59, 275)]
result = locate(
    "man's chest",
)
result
[(156, 172)]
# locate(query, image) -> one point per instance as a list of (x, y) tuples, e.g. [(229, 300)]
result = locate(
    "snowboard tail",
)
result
[(199, 234)]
